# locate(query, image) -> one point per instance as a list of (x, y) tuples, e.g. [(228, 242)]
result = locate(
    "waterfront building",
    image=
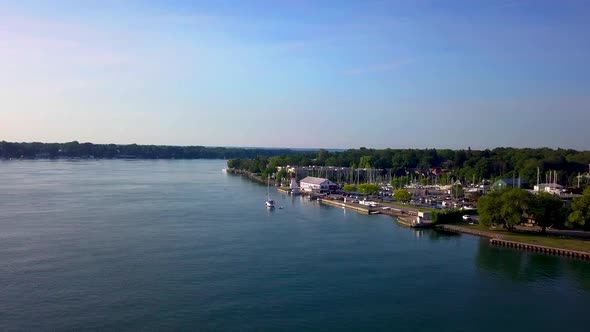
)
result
[(321, 185), (553, 188), (508, 183)]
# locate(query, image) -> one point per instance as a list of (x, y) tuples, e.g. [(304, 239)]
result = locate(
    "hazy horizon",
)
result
[(329, 74), (332, 149)]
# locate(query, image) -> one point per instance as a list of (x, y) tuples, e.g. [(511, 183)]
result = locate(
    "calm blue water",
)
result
[(179, 245)]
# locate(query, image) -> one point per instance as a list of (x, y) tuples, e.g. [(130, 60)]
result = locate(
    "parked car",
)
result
[(467, 217)]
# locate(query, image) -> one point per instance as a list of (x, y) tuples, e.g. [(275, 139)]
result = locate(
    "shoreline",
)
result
[(505, 241), (401, 217)]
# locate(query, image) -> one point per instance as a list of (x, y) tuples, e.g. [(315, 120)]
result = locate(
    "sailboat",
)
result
[(270, 204)]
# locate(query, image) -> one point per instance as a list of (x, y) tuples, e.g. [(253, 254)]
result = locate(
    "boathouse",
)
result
[(321, 185)]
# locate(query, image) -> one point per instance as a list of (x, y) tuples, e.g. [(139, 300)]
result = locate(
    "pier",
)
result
[(350, 206), (404, 217)]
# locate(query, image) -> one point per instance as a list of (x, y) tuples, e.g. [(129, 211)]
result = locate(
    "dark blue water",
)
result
[(179, 245)]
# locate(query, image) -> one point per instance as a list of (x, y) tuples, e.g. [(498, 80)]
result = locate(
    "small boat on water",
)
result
[(270, 204)]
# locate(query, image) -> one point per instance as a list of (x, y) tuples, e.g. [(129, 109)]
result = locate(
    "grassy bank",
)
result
[(553, 241)]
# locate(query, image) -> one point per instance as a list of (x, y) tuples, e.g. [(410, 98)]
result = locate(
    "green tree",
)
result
[(349, 188), (282, 174), (402, 195), (489, 209), (322, 156), (514, 203), (368, 189), (580, 215), (447, 217), (365, 162), (547, 210)]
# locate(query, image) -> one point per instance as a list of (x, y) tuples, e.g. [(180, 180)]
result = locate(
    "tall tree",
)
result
[(547, 210), (489, 209), (349, 188), (368, 189), (402, 195), (580, 215), (514, 204)]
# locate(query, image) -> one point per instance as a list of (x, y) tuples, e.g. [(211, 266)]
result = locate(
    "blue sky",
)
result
[(338, 74)]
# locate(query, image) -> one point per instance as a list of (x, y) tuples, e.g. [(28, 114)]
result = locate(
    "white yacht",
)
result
[(270, 204)]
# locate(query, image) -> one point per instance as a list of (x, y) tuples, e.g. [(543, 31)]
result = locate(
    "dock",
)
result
[(350, 206), (403, 217)]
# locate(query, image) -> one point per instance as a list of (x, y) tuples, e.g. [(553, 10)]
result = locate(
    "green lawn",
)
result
[(536, 238)]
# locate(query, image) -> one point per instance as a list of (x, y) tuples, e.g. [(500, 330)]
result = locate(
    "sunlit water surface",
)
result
[(179, 245)]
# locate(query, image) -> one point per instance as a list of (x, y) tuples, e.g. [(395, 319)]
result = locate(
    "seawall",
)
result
[(497, 239)]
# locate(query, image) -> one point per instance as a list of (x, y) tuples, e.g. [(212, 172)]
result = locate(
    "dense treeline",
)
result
[(513, 207), (89, 150), (468, 164)]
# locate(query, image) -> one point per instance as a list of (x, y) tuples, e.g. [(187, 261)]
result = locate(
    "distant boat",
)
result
[(270, 204)]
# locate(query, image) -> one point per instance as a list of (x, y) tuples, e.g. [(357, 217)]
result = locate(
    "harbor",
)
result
[(405, 216), (329, 193)]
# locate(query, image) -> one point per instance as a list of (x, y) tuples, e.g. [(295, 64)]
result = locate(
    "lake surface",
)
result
[(179, 245)]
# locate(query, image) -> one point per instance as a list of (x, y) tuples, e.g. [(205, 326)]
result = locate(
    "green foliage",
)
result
[(85, 150), (282, 174), (349, 188), (368, 189), (399, 182), (515, 202), (504, 207), (547, 210), (489, 207), (447, 217), (580, 215), (465, 165), (402, 195), (365, 162)]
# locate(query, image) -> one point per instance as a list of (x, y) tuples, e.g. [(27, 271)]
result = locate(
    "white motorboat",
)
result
[(270, 204)]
